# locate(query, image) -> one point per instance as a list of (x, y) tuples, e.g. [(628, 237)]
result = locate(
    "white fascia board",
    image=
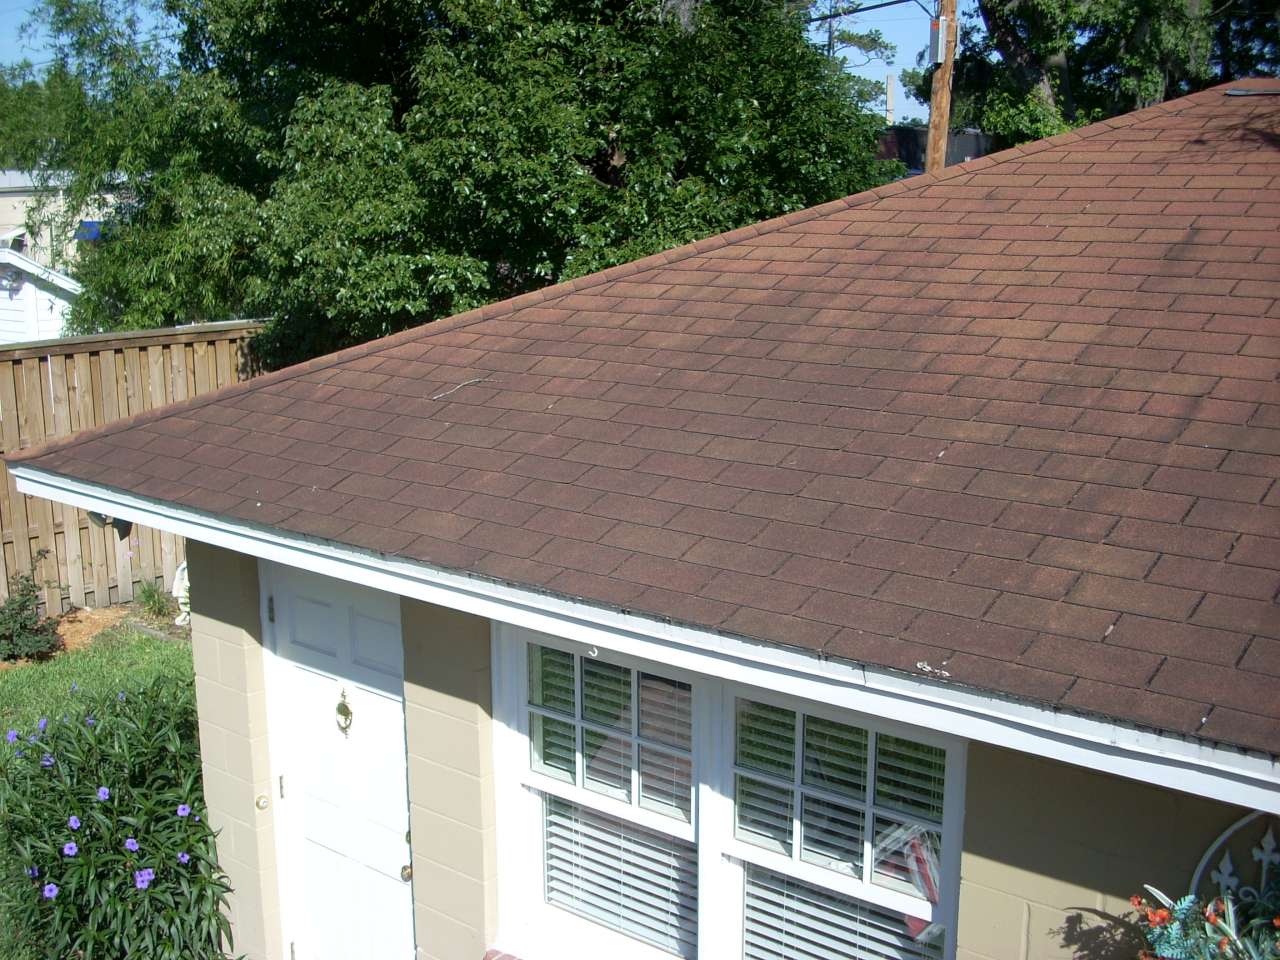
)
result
[(1247, 779)]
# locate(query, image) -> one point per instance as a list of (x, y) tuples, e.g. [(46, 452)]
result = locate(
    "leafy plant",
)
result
[(23, 632), (1223, 929), (154, 601), (104, 849)]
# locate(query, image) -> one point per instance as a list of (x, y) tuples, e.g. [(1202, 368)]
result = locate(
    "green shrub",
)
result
[(154, 601), (23, 632), (104, 848), (1220, 929)]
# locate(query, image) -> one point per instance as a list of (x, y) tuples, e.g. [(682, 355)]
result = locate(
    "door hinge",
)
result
[(271, 609), (282, 786)]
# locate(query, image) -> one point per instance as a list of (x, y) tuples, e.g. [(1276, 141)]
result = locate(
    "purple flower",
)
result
[(33, 872), (43, 724), (74, 686), (31, 739), (104, 794), (142, 879), (184, 810), (47, 760), (70, 850), (74, 823), (196, 819), (184, 858), (89, 721), (11, 736), (131, 845), (120, 696), (50, 891)]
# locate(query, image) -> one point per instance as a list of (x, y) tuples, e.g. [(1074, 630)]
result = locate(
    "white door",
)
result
[(335, 702)]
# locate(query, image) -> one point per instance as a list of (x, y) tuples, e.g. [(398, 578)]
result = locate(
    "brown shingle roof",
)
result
[(1019, 422)]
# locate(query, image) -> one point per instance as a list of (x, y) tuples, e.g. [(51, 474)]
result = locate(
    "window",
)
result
[(674, 814)]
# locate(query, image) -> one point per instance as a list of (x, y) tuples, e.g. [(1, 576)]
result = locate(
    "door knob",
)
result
[(344, 714), (406, 873)]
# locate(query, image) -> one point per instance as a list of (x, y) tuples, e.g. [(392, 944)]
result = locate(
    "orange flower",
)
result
[(1222, 945), (1275, 922), (1211, 917), (1136, 901), (1158, 918)]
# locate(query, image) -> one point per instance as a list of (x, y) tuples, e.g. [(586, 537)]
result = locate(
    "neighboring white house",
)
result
[(33, 298)]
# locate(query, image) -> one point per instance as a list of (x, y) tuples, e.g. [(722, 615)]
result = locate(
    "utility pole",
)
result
[(940, 96)]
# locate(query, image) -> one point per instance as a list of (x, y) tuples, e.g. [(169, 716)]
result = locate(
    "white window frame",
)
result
[(536, 930)]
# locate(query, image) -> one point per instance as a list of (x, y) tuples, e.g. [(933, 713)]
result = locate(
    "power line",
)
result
[(848, 11)]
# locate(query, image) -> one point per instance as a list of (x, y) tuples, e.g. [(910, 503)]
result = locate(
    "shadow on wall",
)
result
[(1090, 934), (1053, 852)]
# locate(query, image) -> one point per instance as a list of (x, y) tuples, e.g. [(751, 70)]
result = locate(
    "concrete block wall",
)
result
[(1053, 852), (447, 684), (226, 635)]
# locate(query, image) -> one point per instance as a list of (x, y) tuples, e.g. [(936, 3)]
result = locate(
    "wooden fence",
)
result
[(56, 388)]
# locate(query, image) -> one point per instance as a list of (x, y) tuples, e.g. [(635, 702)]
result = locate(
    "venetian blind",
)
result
[(638, 882), (787, 919)]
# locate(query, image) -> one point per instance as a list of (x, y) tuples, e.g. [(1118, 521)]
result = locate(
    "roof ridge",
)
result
[(499, 308)]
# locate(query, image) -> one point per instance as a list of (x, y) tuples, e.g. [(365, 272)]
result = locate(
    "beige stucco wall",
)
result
[(451, 810), (226, 630), (1053, 852)]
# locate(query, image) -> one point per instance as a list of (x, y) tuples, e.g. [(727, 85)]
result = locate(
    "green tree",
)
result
[(346, 170), (1031, 68)]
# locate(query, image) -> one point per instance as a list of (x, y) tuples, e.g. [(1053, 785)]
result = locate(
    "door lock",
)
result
[(406, 873)]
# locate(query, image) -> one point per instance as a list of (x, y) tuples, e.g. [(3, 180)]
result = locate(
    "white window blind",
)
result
[(801, 790), (636, 881), (786, 919)]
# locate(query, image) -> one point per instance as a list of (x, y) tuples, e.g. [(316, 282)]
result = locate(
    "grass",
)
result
[(116, 659)]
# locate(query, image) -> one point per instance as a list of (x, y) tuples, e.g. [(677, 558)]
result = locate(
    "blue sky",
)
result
[(906, 26)]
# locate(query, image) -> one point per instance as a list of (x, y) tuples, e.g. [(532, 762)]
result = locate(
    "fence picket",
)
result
[(58, 388)]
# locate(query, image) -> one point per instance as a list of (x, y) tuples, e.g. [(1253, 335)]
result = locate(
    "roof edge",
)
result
[(1231, 774)]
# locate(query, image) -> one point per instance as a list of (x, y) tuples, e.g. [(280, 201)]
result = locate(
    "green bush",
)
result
[(154, 601), (1224, 928), (104, 848), (23, 632)]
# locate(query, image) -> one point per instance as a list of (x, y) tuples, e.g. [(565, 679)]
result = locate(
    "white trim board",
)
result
[(1246, 779), (48, 275)]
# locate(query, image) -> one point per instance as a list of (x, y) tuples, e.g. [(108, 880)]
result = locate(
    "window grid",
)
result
[(872, 812), (636, 740)]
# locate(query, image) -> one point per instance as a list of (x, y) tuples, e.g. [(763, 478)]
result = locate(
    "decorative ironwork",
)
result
[(1225, 876)]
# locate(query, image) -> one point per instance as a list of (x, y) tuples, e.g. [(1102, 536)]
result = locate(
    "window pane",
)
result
[(907, 858), (764, 814), (621, 876), (666, 783), (790, 920), (766, 739), (606, 762), (909, 776), (666, 711), (606, 694), (551, 679), (835, 757), (831, 835), (551, 744)]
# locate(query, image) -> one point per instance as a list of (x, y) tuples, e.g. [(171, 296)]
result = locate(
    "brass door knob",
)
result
[(344, 714), (406, 873)]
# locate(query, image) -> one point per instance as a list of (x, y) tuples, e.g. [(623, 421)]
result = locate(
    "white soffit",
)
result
[(1247, 779)]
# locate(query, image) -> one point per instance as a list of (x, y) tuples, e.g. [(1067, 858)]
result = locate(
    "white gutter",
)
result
[(1234, 776)]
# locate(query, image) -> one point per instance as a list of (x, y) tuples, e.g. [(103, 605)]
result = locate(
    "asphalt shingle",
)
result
[(1015, 426)]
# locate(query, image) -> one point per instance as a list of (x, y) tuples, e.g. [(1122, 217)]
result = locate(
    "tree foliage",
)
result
[(349, 169), (1032, 68)]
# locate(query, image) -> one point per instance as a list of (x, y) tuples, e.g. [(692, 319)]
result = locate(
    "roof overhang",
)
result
[(24, 263), (1247, 779)]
